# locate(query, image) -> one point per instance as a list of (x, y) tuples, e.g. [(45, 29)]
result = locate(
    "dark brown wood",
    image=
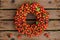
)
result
[(53, 36), (6, 4), (9, 25), (9, 14)]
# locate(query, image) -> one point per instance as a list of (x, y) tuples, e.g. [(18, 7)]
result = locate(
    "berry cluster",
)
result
[(41, 19)]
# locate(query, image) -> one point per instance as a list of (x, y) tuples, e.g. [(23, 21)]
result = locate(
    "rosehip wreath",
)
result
[(41, 19)]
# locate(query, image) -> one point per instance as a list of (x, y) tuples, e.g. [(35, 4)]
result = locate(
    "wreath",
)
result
[(41, 23)]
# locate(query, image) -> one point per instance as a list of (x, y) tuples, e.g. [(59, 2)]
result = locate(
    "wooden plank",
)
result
[(9, 25), (53, 36), (57, 3), (9, 14), (9, 4)]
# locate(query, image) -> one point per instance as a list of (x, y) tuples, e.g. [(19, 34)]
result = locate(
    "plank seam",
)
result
[(28, 19), (44, 8), (17, 31)]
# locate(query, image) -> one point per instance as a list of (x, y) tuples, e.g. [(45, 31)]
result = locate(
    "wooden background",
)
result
[(8, 10)]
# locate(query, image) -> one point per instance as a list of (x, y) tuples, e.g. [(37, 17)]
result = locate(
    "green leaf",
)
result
[(37, 9), (30, 1), (36, 22), (44, 15), (42, 29)]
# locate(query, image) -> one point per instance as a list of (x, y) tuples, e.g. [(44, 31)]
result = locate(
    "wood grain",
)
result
[(9, 25), (53, 36), (9, 14), (8, 4)]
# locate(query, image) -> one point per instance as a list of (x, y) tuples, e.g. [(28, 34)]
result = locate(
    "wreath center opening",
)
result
[(30, 18)]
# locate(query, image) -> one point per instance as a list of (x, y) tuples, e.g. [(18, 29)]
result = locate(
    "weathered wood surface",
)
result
[(9, 14), (53, 36), (9, 25), (9, 4)]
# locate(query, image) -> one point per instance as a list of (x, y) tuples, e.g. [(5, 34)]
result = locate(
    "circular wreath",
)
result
[(41, 19)]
